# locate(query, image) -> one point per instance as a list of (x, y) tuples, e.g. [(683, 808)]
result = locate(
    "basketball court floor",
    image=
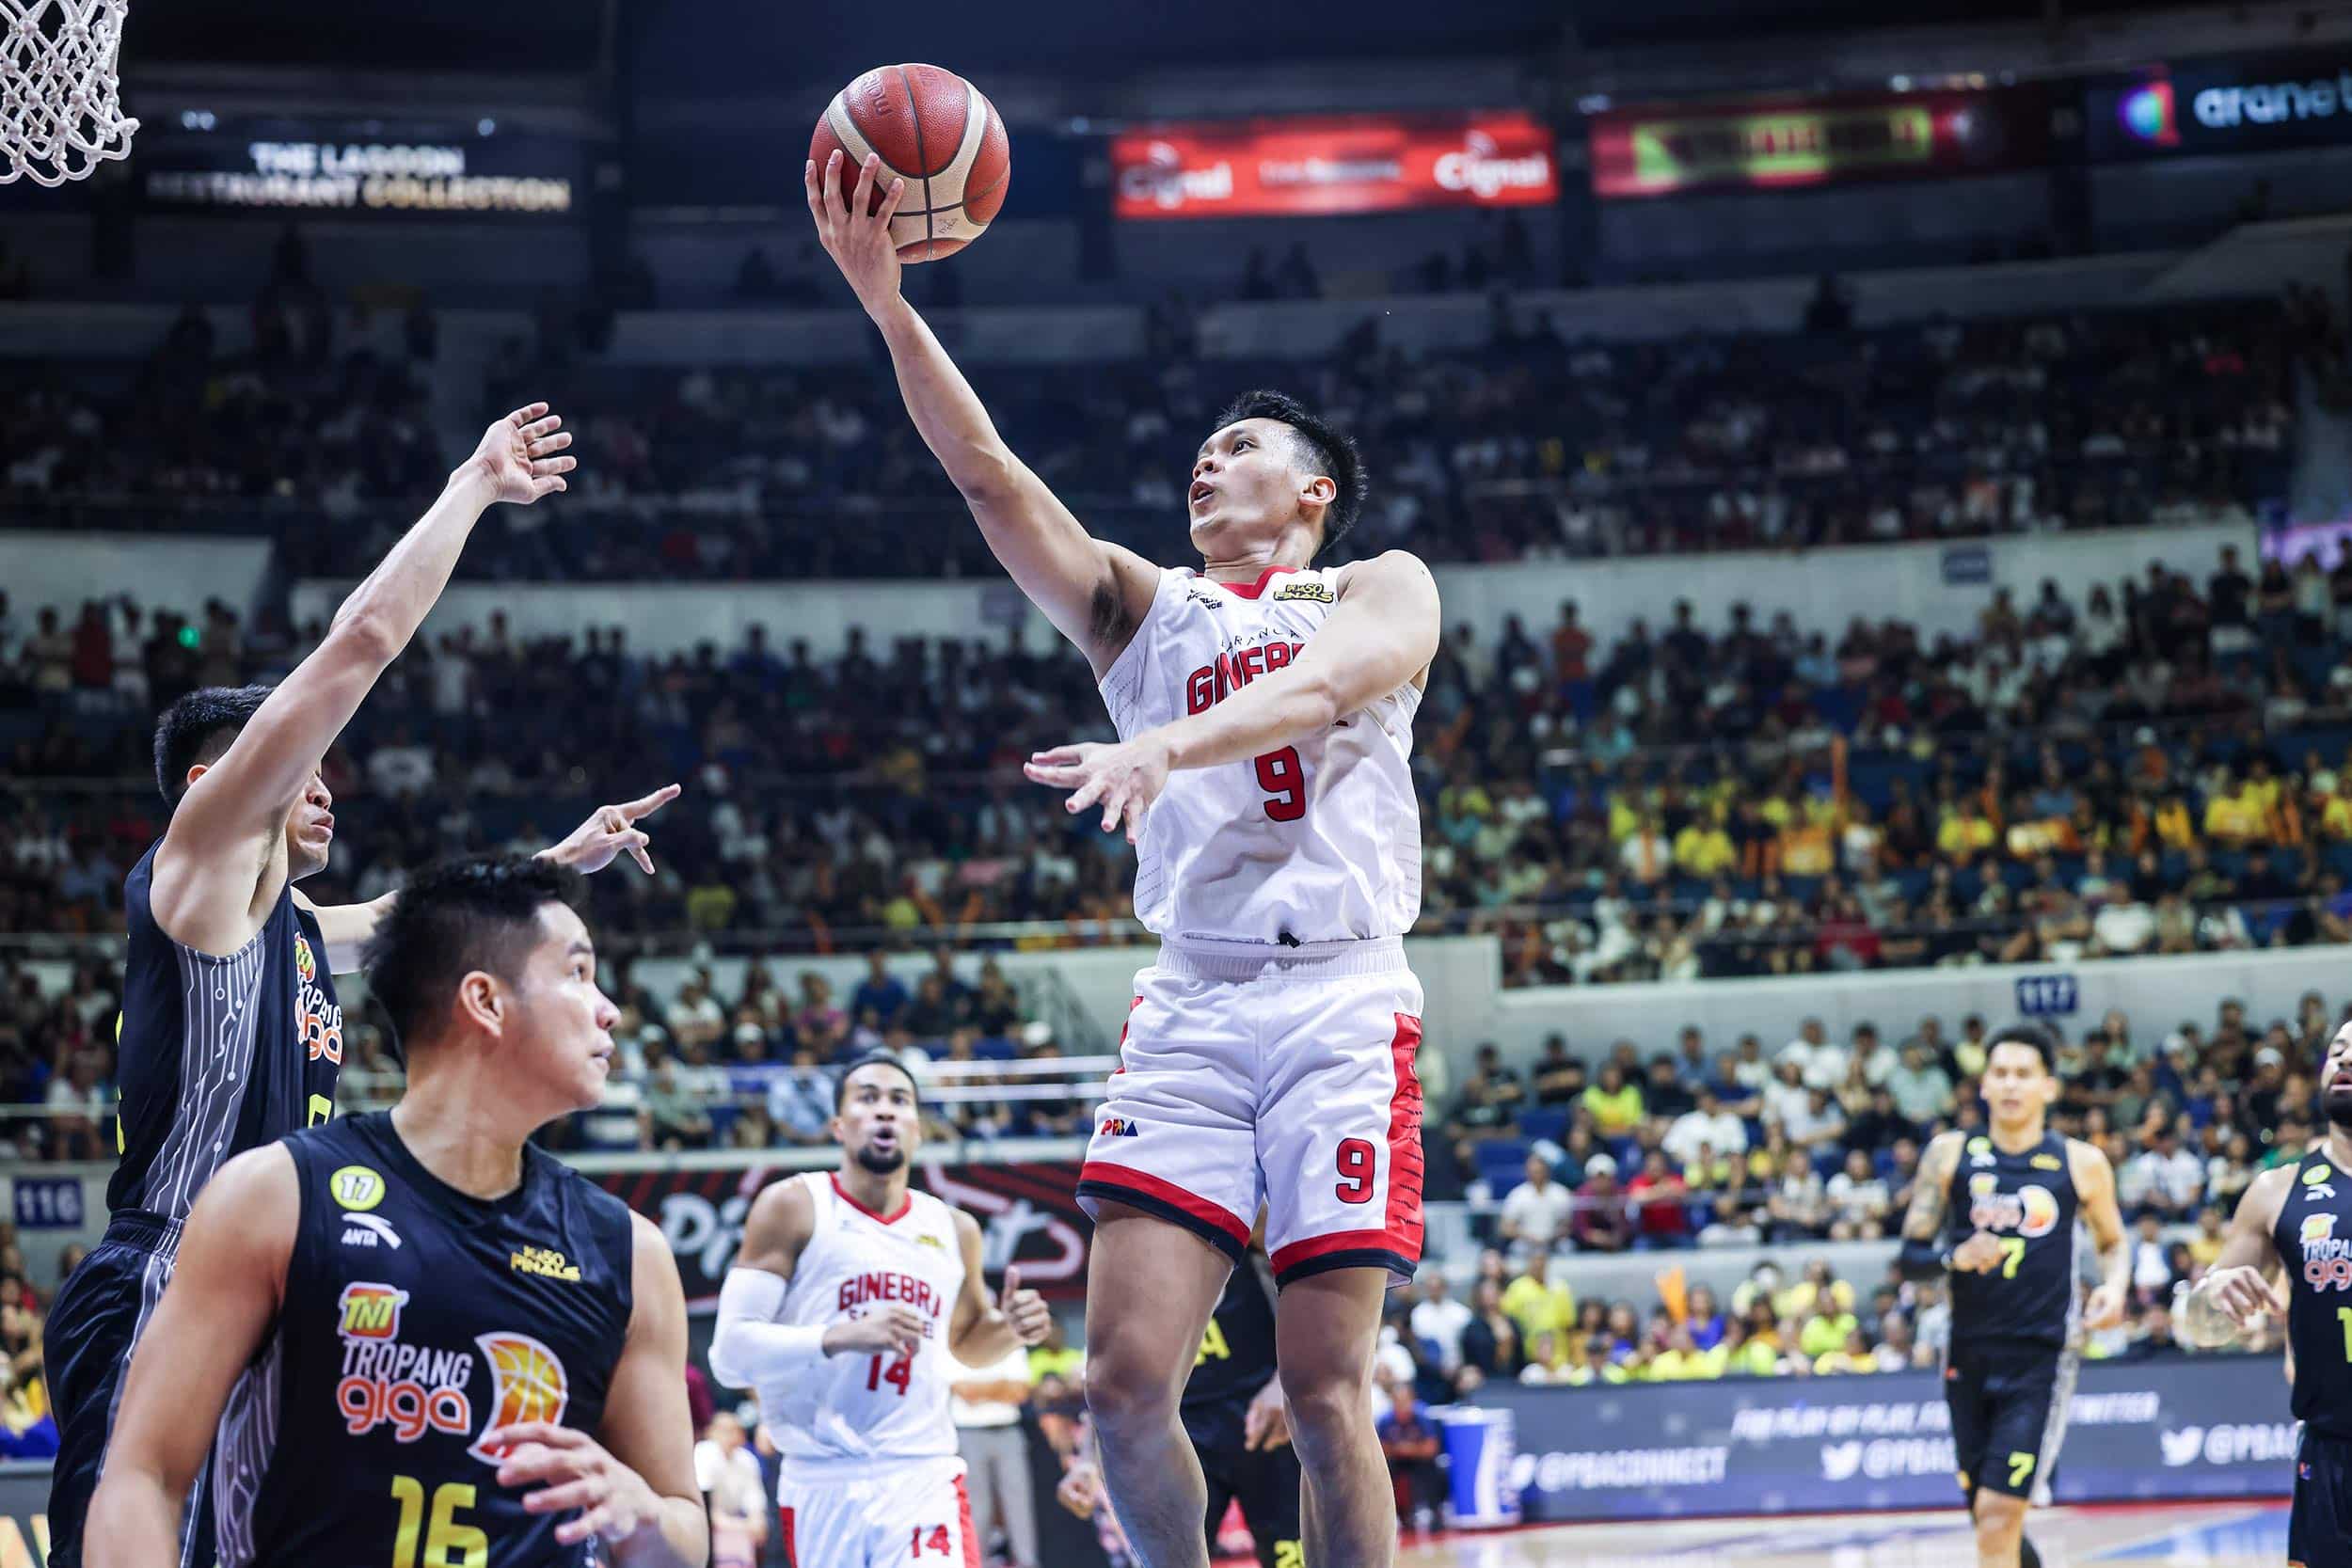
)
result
[(2185, 1535)]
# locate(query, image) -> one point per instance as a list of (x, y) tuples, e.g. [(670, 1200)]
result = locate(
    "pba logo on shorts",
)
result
[(526, 1384), (1120, 1127), (370, 1311)]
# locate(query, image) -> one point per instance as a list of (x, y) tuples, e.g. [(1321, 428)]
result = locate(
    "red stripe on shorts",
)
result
[(1168, 1193), (791, 1551), (963, 1516), (1401, 1232)]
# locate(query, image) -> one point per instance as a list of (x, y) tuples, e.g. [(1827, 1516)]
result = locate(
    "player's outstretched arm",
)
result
[(2094, 1183), (1382, 632), (2237, 1292), (609, 833), (230, 1274), (208, 891), (632, 1486), (981, 1332), (1095, 593)]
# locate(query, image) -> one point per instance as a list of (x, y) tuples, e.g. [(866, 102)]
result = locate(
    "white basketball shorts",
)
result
[(1251, 1072), (901, 1514)]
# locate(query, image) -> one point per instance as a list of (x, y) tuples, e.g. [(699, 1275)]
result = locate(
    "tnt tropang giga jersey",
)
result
[(1317, 841), (414, 1318)]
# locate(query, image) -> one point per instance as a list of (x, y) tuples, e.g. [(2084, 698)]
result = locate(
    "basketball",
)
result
[(937, 131)]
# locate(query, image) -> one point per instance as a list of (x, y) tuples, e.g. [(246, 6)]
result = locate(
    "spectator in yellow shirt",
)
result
[(1682, 1361), (2231, 820), (1854, 1355), (1965, 833), (1537, 1303), (1616, 1104), (2205, 1246), (1704, 849), (2335, 817)]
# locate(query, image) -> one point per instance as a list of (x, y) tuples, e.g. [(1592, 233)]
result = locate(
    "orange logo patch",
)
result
[(526, 1384), (370, 1311)]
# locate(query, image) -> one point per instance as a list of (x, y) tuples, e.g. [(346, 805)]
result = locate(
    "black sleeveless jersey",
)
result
[(2028, 1201), (414, 1318), (2314, 1236), (216, 1055), (1236, 1356)]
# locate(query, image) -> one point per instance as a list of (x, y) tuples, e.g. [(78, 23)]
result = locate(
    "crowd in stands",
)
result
[(2156, 767), (1532, 446)]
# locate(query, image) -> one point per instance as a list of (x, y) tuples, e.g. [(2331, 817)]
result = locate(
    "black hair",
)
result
[(477, 913), (2044, 1044), (870, 1058), (1321, 446), (201, 727)]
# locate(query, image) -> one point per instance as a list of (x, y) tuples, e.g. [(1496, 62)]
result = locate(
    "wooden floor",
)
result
[(2205, 1535)]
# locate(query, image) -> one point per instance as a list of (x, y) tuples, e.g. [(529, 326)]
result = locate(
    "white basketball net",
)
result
[(61, 108)]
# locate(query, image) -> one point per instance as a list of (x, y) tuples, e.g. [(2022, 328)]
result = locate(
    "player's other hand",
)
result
[(1031, 1318), (2244, 1295), (1123, 780), (1979, 1254), (609, 830), (2104, 1309), (1266, 1424), (1081, 1491), (572, 1470), (858, 240), (517, 458), (897, 1329)]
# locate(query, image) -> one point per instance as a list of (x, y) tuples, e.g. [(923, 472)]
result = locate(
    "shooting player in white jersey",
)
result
[(849, 1293), (1265, 712)]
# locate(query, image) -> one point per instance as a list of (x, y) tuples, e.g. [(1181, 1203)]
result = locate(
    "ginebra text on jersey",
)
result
[(1213, 683)]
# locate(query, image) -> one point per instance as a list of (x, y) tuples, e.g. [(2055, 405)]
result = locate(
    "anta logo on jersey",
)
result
[(2028, 1212), (1213, 683), (369, 1230), (859, 1289), (1120, 1127), (419, 1389), (545, 1262), (317, 1021)]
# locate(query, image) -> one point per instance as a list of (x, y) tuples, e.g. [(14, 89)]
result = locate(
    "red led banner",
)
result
[(1334, 164)]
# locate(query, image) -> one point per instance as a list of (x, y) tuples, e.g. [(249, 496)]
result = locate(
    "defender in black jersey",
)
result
[(231, 1035), (1997, 1212), (2297, 1221), (1233, 1412), (423, 1341)]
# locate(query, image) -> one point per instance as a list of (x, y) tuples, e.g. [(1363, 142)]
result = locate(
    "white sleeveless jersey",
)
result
[(1318, 841), (866, 1406)]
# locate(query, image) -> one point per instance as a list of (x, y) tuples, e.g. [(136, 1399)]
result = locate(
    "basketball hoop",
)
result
[(60, 108)]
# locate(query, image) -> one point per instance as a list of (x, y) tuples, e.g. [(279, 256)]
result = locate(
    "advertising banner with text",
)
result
[(2202, 1427), (372, 168), (2230, 104), (1028, 1215), (1670, 149), (1334, 164)]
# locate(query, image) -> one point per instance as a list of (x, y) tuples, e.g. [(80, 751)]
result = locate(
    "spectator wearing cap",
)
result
[(1600, 1222)]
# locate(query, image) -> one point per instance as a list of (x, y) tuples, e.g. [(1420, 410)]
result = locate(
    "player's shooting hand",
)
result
[(853, 231), (592, 846), (2245, 1295), (897, 1329), (1031, 1318), (1979, 1254), (572, 1470), (1266, 1424), (517, 455), (1081, 1491), (1123, 780)]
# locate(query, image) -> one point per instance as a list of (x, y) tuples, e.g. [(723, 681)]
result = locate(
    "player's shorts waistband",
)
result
[(1200, 960), (136, 1228), (828, 1469)]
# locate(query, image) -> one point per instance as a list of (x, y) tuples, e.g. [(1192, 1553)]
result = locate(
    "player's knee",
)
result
[(2000, 1518), (1129, 1390), (1325, 1399)]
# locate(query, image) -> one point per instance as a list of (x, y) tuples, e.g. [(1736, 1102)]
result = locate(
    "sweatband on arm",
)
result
[(1921, 1259), (749, 1347)]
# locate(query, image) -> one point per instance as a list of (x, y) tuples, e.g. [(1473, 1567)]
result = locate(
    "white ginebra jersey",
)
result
[(861, 1407), (1318, 841)]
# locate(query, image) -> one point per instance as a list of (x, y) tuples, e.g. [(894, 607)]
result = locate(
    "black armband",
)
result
[(1922, 1259)]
